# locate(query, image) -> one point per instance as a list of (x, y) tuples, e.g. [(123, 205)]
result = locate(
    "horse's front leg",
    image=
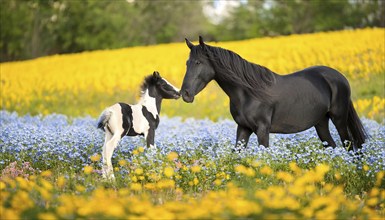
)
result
[(243, 135), (150, 138), (262, 133)]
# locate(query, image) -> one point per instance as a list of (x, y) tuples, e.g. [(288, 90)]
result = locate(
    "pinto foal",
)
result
[(122, 119)]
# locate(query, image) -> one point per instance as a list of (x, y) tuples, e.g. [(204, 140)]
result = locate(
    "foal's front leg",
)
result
[(150, 139)]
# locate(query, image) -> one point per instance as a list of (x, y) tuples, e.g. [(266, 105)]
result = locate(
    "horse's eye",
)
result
[(197, 62)]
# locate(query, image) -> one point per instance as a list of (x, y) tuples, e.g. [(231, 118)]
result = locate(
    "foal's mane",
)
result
[(147, 82), (229, 66)]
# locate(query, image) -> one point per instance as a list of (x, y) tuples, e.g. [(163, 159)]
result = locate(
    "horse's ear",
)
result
[(189, 44), (201, 41), (156, 74)]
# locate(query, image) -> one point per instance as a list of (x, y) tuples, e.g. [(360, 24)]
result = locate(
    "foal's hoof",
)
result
[(110, 178)]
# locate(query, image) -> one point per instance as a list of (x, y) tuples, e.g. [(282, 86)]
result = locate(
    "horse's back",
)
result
[(304, 97)]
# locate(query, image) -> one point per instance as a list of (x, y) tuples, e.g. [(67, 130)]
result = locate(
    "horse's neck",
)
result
[(152, 104), (235, 93)]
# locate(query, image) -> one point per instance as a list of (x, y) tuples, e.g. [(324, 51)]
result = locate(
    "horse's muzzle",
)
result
[(186, 96)]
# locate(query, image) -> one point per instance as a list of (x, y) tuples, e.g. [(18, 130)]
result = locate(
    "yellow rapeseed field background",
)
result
[(85, 83)]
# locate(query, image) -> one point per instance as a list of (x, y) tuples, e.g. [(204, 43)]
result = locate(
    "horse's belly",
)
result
[(296, 120)]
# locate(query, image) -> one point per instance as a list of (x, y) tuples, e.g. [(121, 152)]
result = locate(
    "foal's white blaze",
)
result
[(139, 122), (150, 103), (175, 88)]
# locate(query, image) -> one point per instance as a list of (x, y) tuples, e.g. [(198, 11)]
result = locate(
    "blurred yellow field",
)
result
[(85, 83)]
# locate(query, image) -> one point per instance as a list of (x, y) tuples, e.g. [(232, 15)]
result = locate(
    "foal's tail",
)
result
[(103, 119), (355, 127)]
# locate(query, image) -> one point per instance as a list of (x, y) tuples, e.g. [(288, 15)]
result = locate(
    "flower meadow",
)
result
[(51, 170), (85, 83), (50, 160)]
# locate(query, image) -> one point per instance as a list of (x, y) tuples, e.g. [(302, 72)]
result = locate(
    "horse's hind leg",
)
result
[(243, 135), (323, 132), (341, 124)]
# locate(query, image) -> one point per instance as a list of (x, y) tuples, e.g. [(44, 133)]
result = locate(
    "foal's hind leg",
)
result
[(323, 132), (108, 150)]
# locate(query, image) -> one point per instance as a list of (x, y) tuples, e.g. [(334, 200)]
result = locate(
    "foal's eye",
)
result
[(197, 62)]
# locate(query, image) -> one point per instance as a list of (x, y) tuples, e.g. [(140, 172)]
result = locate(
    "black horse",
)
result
[(264, 102)]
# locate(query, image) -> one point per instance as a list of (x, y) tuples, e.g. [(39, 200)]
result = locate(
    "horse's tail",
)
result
[(104, 118), (355, 127)]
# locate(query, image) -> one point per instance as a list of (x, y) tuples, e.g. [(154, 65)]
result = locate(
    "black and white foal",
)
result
[(122, 119)]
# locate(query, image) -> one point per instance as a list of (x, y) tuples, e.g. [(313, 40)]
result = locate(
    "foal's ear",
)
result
[(189, 44), (201, 41), (156, 74)]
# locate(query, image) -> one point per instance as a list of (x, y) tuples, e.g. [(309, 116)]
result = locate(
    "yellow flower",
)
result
[(122, 162), (196, 169), (88, 169), (48, 216), (46, 173), (150, 186), (136, 187), (138, 171), (286, 177), (195, 181), (80, 188), (61, 181), (218, 182), (293, 167), (141, 149), (172, 156), (95, 157), (2, 185), (168, 171), (266, 170)]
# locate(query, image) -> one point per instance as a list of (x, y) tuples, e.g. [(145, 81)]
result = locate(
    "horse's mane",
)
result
[(231, 67)]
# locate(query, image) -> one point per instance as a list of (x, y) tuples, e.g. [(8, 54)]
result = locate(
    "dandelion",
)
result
[(196, 169), (88, 169), (195, 181), (46, 173), (48, 216), (138, 171), (284, 176), (172, 156), (218, 182), (61, 181), (141, 149), (95, 157), (2, 185), (168, 171), (136, 187), (135, 152), (80, 188), (122, 162), (266, 170)]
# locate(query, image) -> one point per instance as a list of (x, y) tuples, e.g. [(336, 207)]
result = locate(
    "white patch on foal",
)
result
[(139, 122), (149, 102)]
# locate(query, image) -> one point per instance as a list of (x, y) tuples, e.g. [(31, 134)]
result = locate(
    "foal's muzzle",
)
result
[(176, 95)]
